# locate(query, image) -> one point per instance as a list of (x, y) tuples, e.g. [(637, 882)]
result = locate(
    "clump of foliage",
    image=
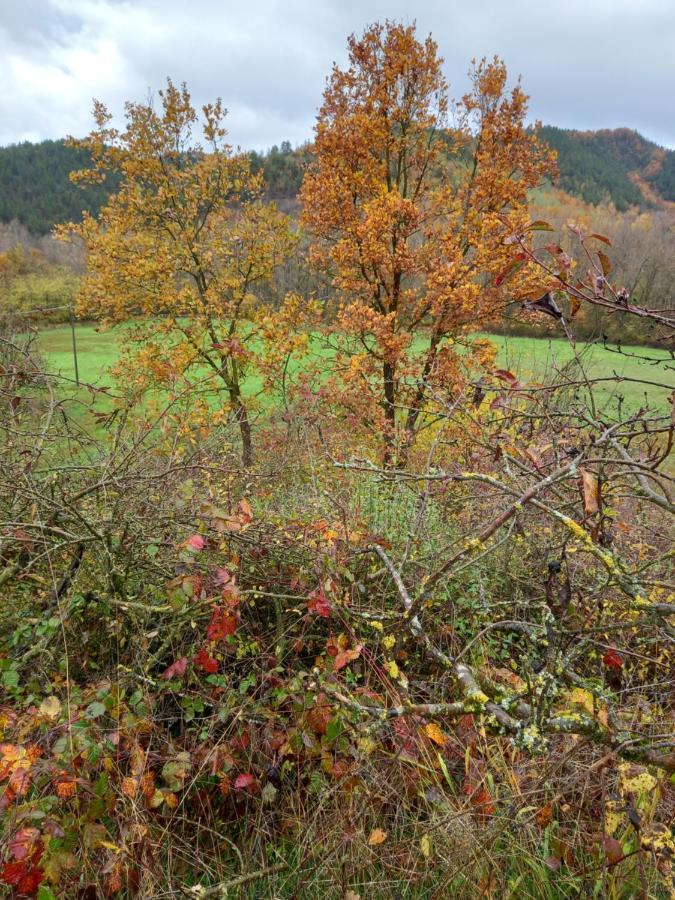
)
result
[(32, 289)]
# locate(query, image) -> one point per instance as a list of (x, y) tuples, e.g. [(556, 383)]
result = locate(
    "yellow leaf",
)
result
[(635, 781), (434, 732), (156, 800), (366, 745), (582, 698), (377, 836), (425, 846), (110, 846), (614, 816)]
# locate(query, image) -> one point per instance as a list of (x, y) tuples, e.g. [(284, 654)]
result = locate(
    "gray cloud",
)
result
[(585, 63)]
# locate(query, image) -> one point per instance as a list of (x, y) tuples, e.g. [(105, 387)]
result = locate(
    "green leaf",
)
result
[(95, 710), (334, 729), (45, 893), (269, 793), (11, 678)]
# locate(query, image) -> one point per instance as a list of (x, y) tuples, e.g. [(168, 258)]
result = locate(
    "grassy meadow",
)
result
[(531, 359)]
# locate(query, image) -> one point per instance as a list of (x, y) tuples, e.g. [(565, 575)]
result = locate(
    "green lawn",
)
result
[(529, 358)]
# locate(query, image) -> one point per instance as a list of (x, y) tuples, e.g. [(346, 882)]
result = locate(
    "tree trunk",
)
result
[(245, 430), (389, 406), (241, 418)]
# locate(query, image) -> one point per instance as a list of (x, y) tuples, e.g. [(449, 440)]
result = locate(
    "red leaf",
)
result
[(318, 603), (512, 267), (13, 872), (176, 669), (196, 542), (613, 849), (19, 782), (222, 623), (483, 802), (223, 576), (612, 659), (206, 662), (508, 377), (245, 781), (25, 843), (30, 882)]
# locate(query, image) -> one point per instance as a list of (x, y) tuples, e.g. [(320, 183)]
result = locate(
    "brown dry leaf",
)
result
[(377, 837), (544, 816), (590, 492), (225, 785)]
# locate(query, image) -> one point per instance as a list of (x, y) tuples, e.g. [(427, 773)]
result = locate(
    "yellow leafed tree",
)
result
[(181, 248)]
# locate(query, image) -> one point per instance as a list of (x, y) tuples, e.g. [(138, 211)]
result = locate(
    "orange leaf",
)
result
[(377, 837), (544, 816), (343, 658), (65, 786), (130, 787), (437, 736)]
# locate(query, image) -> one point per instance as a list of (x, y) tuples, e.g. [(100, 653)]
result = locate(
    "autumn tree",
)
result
[(180, 248), (408, 207)]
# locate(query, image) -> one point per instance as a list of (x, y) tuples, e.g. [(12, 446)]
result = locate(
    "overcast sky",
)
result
[(585, 63)]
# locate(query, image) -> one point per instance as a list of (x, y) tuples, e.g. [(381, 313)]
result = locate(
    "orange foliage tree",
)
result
[(409, 217), (181, 249)]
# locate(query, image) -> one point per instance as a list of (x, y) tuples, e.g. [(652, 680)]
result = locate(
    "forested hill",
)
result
[(35, 188), (617, 166)]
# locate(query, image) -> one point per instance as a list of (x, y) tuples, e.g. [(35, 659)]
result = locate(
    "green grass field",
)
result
[(529, 358)]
